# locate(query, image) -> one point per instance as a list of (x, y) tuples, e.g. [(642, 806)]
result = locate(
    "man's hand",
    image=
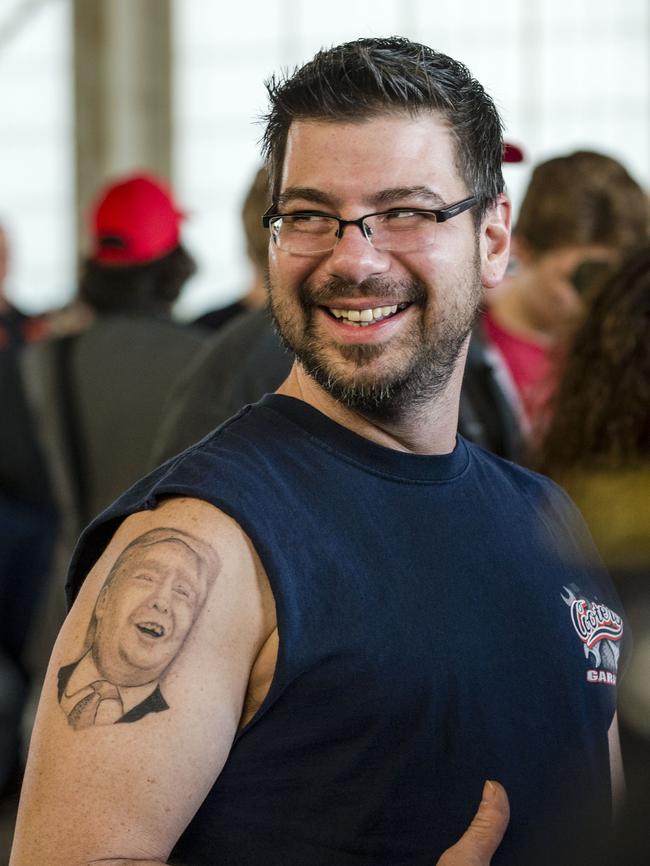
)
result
[(483, 836)]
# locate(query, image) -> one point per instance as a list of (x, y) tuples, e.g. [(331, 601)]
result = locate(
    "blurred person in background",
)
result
[(255, 203), (16, 327), (97, 395), (27, 528), (598, 448), (578, 213)]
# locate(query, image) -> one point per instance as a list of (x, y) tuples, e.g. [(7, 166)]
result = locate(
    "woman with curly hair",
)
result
[(599, 440), (598, 448)]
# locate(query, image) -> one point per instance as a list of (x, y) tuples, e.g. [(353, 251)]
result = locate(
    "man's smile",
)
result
[(363, 321), (362, 317), (151, 629)]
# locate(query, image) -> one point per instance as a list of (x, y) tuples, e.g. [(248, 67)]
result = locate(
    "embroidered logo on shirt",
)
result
[(600, 629)]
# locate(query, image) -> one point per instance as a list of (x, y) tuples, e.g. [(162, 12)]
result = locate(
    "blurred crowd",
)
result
[(97, 394)]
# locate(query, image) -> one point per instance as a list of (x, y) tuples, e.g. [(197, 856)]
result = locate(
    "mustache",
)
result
[(407, 291)]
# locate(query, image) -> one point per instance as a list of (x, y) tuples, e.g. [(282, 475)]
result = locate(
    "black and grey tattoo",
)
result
[(143, 615)]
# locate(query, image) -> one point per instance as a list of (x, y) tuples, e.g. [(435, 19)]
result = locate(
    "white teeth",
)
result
[(365, 317)]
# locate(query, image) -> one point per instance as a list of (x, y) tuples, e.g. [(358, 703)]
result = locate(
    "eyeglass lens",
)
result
[(400, 231)]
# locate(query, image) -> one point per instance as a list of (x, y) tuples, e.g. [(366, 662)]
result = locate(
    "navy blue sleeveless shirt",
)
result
[(442, 620)]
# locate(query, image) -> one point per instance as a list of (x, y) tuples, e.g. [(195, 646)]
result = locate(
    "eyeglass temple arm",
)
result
[(446, 213), (267, 216)]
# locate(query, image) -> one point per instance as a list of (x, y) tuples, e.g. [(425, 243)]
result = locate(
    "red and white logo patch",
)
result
[(600, 630)]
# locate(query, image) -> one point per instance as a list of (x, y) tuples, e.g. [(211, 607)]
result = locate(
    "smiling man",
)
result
[(389, 625)]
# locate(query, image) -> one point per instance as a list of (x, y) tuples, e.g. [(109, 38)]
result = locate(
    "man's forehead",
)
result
[(372, 156), (396, 126)]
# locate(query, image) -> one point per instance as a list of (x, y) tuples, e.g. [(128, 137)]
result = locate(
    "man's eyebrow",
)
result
[(306, 193), (401, 193), (384, 197)]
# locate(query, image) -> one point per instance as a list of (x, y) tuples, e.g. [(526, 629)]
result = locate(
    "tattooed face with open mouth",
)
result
[(145, 612)]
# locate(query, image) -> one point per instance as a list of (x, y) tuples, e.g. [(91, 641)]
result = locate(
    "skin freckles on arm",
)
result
[(153, 659)]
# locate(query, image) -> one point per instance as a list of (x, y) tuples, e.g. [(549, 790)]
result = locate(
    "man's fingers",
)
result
[(483, 836)]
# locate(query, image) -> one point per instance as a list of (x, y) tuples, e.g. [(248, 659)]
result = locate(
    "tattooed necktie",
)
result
[(102, 706)]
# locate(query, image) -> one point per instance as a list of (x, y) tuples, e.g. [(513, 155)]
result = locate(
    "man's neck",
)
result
[(429, 429)]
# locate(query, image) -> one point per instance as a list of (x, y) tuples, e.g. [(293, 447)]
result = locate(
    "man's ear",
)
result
[(495, 242)]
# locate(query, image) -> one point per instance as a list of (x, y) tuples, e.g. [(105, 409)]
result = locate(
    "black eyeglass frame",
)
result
[(441, 214)]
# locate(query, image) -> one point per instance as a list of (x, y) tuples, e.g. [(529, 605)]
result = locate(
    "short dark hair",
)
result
[(152, 286), (361, 79), (580, 199)]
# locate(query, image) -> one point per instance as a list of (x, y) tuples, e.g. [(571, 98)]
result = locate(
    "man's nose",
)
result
[(354, 258), (160, 602)]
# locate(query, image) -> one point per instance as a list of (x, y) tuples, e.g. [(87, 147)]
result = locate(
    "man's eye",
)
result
[(183, 591), (401, 220), (147, 578), (405, 216), (399, 214), (306, 218), (312, 223)]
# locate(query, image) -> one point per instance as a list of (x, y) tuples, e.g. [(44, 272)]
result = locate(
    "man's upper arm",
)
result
[(144, 690)]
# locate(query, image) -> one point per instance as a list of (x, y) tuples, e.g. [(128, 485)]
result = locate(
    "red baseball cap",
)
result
[(134, 221)]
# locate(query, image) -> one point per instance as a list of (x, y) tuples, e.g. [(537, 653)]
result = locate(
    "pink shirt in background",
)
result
[(532, 367)]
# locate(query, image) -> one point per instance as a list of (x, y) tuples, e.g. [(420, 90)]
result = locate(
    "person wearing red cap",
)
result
[(137, 260), (135, 221), (98, 395), (108, 382)]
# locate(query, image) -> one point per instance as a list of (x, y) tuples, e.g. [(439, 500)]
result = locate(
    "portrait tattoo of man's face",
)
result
[(144, 612)]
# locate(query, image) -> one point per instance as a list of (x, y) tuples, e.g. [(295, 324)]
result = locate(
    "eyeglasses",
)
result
[(404, 230)]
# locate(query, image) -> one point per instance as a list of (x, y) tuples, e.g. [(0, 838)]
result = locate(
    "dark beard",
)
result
[(391, 397)]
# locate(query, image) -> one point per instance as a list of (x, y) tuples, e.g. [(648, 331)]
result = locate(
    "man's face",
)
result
[(146, 612), (348, 170)]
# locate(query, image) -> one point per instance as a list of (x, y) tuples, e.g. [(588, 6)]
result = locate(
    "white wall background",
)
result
[(36, 138), (565, 74)]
